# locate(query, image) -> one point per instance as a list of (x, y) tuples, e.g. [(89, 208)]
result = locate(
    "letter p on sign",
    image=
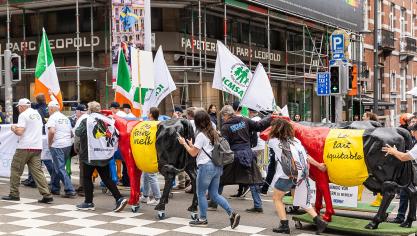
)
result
[(338, 43)]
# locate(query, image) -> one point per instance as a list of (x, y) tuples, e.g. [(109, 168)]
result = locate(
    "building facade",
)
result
[(397, 56), (290, 40)]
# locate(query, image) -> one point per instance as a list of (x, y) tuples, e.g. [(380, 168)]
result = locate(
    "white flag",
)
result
[(284, 111), (231, 74), (259, 95), (164, 84)]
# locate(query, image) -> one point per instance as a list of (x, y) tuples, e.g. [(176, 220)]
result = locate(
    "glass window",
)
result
[(392, 17), (402, 22), (402, 89), (393, 82), (365, 15)]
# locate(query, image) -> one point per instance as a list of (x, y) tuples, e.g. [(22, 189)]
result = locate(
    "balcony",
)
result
[(407, 48), (386, 41)]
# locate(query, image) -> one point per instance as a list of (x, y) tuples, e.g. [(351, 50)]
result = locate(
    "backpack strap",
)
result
[(207, 154)]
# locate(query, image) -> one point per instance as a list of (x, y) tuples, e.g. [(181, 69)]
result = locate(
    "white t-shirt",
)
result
[(413, 152), (275, 145), (130, 115), (201, 141), (121, 114), (32, 136), (63, 130)]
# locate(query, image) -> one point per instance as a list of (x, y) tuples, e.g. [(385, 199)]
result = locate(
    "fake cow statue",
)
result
[(152, 146), (353, 156)]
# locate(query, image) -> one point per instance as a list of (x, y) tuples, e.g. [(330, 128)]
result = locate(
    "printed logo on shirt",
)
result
[(238, 126), (62, 121), (34, 116)]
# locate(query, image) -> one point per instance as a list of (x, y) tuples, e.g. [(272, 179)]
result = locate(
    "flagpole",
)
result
[(172, 101)]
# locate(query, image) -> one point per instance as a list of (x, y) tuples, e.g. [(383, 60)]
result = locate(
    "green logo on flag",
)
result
[(240, 74)]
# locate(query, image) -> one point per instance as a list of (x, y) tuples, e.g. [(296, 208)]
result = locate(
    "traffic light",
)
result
[(15, 68), (353, 80), (335, 85)]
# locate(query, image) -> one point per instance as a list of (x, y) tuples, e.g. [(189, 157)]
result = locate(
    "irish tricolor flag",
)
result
[(125, 91), (46, 78)]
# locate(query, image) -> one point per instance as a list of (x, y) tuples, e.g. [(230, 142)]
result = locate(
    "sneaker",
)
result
[(144, 199), (255, 210), (85, 207), (198, 223), (120, 204), (234, 220), (153, 202), (46, 200), (10, 198)]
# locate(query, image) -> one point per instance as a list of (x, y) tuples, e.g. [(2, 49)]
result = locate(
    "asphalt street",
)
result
[(60, 218)]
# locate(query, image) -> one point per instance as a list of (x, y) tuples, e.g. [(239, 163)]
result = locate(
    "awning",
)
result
[(368, 103)]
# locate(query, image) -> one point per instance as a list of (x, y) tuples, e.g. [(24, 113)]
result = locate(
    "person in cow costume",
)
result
[(357, 147)]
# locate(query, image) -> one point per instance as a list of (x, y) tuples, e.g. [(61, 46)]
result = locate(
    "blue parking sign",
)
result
[(323, 84), (338, 43)]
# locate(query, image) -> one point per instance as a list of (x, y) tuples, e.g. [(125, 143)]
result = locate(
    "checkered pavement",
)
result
[(27, 217)]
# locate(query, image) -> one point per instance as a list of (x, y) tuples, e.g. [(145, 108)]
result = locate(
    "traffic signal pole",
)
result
[(8, 90), (376, 71)]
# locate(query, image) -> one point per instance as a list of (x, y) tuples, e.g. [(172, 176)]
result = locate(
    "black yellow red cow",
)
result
[(353, 156)]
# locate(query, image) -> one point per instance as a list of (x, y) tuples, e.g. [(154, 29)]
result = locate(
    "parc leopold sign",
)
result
[(177, 42), (58, 43)]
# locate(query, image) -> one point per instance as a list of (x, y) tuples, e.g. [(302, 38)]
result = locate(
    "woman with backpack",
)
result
[(291, 171), (208, 174)]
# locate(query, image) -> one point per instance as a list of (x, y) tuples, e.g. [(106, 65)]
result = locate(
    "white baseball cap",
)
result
[(23, 102), (53, 104)]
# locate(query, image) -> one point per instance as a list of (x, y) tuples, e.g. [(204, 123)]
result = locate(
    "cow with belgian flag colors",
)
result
[(352, 152)]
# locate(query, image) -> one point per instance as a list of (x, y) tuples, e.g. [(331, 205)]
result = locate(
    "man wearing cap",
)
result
[(60, 144), (115, 109), (80, 115), (127, 109), (28, 151)]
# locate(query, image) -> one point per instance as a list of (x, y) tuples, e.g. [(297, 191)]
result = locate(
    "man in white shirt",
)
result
[(403, 156), (28, 151), (127, 109), (60, 144), (115, 110)]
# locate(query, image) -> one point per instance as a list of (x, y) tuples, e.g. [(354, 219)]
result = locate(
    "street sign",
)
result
[(323, 84), (338, 46), (338, 43)]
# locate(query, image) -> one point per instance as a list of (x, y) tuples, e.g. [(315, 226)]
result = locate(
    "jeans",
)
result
[(402, 209), (104, 173), (208, 178), (60, 157), (270, 172), (151, 180), (257, 201)]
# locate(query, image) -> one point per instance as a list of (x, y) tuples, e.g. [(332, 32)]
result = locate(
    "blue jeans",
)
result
[(208, 178), (59, 157), (402, 209), (257, 201), (151, 180)]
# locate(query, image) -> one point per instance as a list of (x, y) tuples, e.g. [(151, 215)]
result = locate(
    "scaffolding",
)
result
[(310, 57)]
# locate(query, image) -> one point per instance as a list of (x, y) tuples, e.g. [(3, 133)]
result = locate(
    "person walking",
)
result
[(60, 145), (80, 115), (102, 166), (208, 174), (28, 151), (150, 180), (244, 170), (291, 171)]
